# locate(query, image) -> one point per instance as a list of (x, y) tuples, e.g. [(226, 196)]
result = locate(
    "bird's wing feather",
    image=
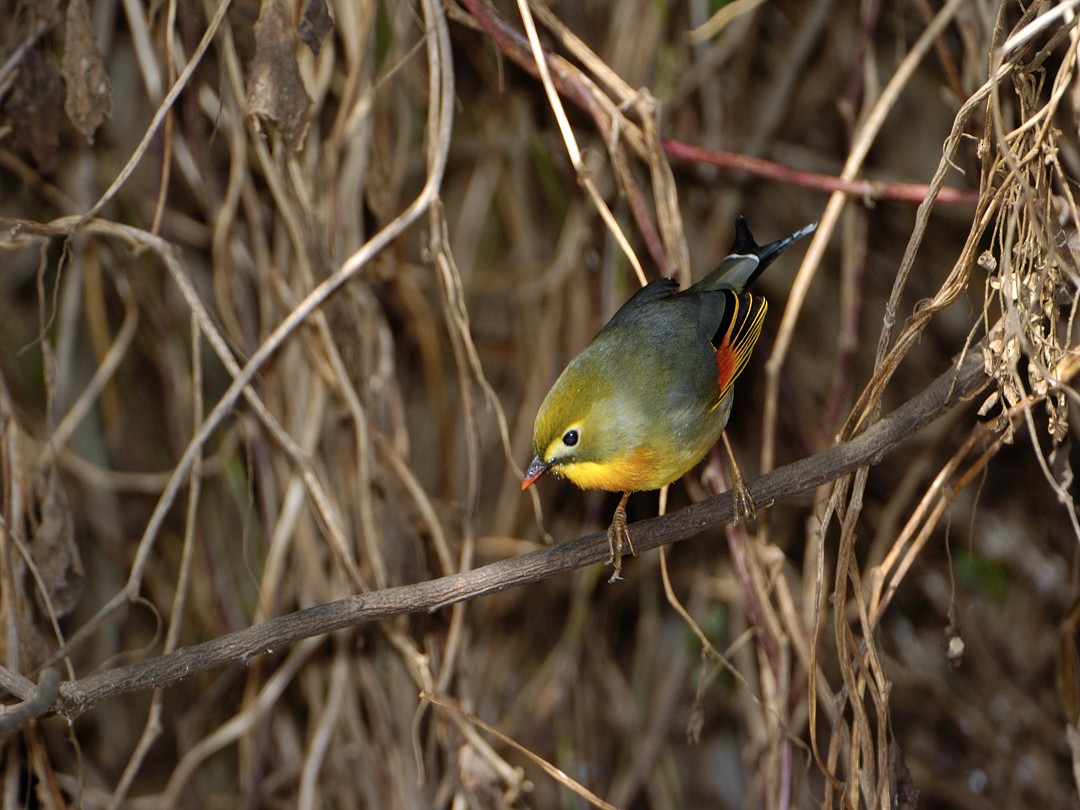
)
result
[(734, 339), (655, 290)]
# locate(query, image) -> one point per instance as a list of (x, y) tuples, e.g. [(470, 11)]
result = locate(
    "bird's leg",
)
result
[(618, 533), (744, 502)]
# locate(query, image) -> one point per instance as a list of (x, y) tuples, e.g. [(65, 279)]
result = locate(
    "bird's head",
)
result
[(585, 432), (563, 432)]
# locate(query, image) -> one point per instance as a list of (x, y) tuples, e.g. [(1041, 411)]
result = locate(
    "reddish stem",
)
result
[(513, 45), (868, 189)]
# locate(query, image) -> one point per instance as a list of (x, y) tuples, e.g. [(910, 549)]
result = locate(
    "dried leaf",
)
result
[(479, 778), (315, 24), (695, 724), (276, 91), (33, 109), (905, 795), (53, 548), (990, 402), (954, 651), (89, 94), (1060, 464)]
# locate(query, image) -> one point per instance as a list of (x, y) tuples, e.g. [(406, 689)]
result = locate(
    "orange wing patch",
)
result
[(735, 339)]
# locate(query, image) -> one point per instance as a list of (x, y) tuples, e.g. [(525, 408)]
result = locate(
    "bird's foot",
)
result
[(618, 536), (745, 508)]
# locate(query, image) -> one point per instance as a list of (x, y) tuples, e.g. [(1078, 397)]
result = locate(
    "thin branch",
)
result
[(948, 390), (515, 46), (40, 702), (826, 183)]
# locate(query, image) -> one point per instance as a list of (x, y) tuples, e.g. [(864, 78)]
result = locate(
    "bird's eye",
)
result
[(571, 438)]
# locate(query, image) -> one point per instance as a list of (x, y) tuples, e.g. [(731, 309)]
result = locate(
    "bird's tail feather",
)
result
[(748, 259)]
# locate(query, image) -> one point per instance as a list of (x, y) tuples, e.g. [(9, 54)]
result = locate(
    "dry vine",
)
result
[(273, 343)]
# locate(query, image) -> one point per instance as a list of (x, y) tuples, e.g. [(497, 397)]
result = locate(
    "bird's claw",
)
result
[(745, 508), (618, 535)]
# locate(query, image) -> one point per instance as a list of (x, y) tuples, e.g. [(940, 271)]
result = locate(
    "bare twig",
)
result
[(864, 189), (34, 705), (515, 46)]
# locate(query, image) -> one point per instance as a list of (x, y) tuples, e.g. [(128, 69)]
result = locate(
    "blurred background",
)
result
[(176, 179)]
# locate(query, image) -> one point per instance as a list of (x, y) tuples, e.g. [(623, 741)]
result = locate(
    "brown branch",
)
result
[(39, 702), (582, 91), (826, 183), (574, 87), (77, 697)]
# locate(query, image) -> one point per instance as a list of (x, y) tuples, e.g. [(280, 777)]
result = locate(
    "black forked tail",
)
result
[(744, 245)]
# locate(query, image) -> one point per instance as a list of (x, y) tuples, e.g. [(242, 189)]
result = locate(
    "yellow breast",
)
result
[(639, 471)]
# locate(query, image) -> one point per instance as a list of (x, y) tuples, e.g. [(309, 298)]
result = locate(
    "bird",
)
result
[(650, 395)]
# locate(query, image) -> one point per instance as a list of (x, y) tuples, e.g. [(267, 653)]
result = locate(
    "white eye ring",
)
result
[(571, 437)]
